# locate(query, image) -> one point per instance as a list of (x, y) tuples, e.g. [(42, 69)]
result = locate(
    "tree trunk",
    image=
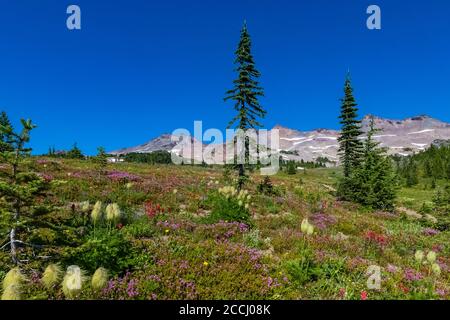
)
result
[(12, 239), (241, 176), (12, 234)]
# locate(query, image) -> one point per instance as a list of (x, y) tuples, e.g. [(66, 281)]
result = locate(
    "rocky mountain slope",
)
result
[(401, 137)]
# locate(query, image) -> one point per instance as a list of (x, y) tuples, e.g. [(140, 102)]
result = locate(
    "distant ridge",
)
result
[(402, 137)]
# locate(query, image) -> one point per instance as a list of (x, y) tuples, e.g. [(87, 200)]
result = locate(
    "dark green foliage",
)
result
[(350, 147), (322, 161), (303, 269), (139, 228), (266, 186), (441, 207), (156, 157), (291, 152), (74, 153), (433, 163), (105, 248), (373, 183), (101, 159), (442, 200), (291, 167), (247, 89), (433, 184), (5, 137), (19, 189), (245, 95), (409, 171), (226, 209), (51, 152)]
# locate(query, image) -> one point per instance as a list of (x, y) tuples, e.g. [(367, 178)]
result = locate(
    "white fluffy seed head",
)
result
[(12, 292), (73, 282), (96, 213), (109, 212), (14, 277), (85, 206), (419, 255), (436, 269), (431, 257), (304, 225), (99, 279), (51, 276), (116, 211)]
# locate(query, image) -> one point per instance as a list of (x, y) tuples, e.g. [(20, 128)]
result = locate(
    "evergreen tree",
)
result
[(432, 163), (412, 178), (245, 95), (5, 138), (75, 153), (350, 147), (373, 183), (19, 190), (51, 152), (101, 159), (291, 167)]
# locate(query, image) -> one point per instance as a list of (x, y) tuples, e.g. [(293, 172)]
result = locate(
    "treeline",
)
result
[(291, 166), (156, 157), (73, 153), (434, 164)]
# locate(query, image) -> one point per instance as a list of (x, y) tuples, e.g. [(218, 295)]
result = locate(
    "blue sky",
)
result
[(141, 68)]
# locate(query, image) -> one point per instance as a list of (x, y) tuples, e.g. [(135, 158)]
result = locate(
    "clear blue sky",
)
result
[(141, 68)]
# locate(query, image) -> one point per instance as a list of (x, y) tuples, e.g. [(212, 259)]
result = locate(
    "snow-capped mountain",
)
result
[(401, 137)]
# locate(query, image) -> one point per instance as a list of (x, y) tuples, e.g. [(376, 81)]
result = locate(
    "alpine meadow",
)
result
[(357, 211)]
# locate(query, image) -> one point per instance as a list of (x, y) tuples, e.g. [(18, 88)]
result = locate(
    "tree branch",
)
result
[(22, 243)]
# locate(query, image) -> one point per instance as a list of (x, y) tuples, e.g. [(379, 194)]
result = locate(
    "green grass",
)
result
[(179, 253)]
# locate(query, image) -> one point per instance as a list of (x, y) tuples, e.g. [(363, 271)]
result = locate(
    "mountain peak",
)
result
[(420, 117), (402, 137)]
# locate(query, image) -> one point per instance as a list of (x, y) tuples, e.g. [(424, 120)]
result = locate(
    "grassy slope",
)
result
[(194, 260)]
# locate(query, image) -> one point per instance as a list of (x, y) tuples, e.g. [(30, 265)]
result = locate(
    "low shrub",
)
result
[(102, 248), (303, 269), (229, 205)]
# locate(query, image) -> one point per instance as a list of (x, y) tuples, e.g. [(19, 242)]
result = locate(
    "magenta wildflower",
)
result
[(430, 232), (122, 176), (412, 275), (322, 220), (391, 268)]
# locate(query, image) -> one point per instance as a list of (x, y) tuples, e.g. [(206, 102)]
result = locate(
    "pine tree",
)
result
[(75, 152), (291, 167), (412, 174), (350, 147), (245, 95), (5, 138), (373, 183), (19, 189), (101, 159)]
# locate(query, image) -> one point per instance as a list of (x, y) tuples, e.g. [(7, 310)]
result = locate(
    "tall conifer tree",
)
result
[(245, 94), (350, 147)]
